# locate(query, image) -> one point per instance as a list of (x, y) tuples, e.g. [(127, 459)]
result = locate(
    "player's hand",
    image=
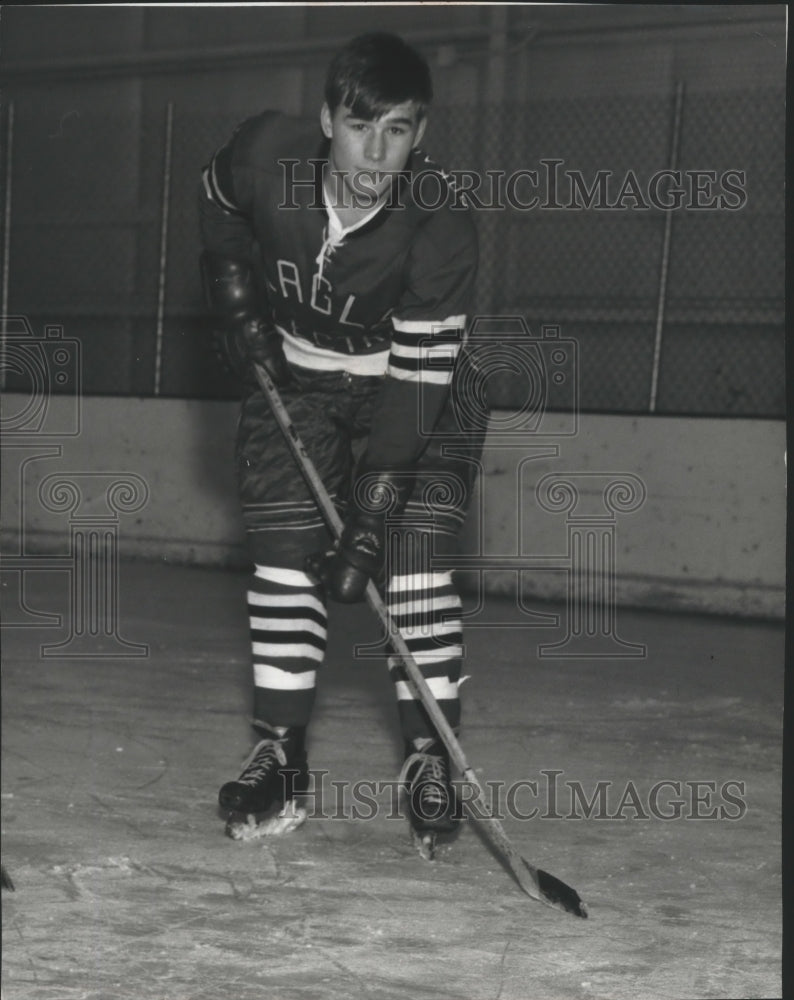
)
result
[(346, 569), (360, 554), (241, 336), (241, 343)]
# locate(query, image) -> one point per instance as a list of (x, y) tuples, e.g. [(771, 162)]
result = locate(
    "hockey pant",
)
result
[(287, 610)]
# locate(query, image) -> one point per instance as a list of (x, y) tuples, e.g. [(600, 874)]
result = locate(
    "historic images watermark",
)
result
[(547, 796), (42, 416), (550, 187), (582, 506)]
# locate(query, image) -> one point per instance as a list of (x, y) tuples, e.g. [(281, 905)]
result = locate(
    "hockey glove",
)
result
[(360, 554), (252, 342), (240, 335)]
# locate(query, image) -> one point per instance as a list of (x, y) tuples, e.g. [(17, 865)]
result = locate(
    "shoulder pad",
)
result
[(440, 187), (265, 138)]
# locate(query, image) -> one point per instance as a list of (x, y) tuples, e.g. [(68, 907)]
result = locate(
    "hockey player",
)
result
[(339, 259)]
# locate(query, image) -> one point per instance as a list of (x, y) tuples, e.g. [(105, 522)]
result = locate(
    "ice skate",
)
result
[(432, 806), (262, 801)]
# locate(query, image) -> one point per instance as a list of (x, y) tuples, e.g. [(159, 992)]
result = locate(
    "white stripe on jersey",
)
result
[(428, 326), (307, 355), (439, 353), (214, 193), (434, 378), (417, 357)]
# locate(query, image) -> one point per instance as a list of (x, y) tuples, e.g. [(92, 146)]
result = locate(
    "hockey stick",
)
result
[(535, 882)]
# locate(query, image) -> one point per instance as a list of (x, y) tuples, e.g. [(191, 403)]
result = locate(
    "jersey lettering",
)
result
[(323, 306), (321, 299), (288, 274), (346, 312)]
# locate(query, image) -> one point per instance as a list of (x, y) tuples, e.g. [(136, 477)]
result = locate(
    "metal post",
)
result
[(166, 202), (491, 114), (665, 265), (497, 44), (6, 241)]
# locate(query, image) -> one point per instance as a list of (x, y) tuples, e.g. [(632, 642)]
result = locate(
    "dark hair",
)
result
[(373, 72)]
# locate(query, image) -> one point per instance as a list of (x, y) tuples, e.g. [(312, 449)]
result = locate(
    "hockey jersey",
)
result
[(389, 296)]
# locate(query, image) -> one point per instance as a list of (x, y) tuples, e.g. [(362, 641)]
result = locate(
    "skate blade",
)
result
[(425, 843), (290, 818)]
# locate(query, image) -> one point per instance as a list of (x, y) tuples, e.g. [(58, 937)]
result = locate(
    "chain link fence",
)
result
[(672, 285)]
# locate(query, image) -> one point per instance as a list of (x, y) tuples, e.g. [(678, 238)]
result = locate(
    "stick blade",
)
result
[(556, 893)]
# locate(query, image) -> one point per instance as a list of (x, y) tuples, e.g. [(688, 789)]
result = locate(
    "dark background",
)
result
[(109, 114)]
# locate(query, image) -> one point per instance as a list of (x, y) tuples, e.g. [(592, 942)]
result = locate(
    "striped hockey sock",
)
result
[(288, 638), (426, 608)]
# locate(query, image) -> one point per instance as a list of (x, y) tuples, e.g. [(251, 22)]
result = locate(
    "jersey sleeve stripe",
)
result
[(446, 336), (425, 377), (210, 180), (428, 326), (437, 353), (426, 362), (425, 351)]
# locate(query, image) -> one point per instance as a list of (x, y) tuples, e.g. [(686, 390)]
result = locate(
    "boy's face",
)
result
[(368, 153)]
